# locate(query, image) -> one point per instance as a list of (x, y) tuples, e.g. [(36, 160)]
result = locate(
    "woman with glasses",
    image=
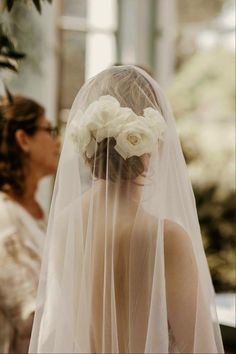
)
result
[(29, 150)]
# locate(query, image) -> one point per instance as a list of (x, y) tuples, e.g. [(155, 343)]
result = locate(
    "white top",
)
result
[(21, 243)]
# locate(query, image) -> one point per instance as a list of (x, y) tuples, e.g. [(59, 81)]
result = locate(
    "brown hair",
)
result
[(132, 90), (107, 163), (23, 113)]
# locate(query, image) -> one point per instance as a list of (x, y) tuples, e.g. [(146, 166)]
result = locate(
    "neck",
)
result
[(31, 185), (125, 191)]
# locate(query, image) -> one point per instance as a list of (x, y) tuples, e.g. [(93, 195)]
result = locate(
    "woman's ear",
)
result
[(23, 140)]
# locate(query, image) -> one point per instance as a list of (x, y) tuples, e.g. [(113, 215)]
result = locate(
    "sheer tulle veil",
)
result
[(124, 270)]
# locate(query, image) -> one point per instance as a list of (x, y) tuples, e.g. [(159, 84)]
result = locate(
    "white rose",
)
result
[(155, 121), (99, 115), (135, 139), (127, 115), (79, 133), (77, 118), (104, 118), (113, 127), (101, 112)]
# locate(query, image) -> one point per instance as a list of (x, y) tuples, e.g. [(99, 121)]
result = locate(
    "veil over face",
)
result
[(124, 270)]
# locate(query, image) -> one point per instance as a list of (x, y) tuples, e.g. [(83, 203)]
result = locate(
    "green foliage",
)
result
[(9, 56), (37, 3), (218, 227), (202, 96), (203, 89)]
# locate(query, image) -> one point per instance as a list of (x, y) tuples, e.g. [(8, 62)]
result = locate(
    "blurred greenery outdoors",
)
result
[(203, 100), (18, 33)]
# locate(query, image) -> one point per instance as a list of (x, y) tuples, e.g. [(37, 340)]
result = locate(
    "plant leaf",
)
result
[(6, 65), (8, 93), (12, 54), (10, 4), (6, 42), (37, 5)]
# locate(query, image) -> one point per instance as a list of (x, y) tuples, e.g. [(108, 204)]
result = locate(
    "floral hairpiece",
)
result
[(135, 135)]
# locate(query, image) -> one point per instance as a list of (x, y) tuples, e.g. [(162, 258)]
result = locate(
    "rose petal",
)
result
[(120, 151)]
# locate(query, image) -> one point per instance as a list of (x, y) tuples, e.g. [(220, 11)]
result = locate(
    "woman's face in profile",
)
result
[(44, 148)]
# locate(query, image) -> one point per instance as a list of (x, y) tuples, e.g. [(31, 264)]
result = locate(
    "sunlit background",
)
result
[(188, 46)]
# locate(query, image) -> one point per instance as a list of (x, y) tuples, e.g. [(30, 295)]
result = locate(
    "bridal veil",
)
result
[(124, 270)]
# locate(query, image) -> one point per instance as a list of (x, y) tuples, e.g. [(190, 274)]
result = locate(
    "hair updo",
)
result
[(23, 113), (108, 164), (132, 90)]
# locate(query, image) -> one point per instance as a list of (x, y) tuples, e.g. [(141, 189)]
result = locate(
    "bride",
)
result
[(124, 269)]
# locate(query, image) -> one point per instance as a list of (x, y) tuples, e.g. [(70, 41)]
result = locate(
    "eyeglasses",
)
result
[(53, 131)]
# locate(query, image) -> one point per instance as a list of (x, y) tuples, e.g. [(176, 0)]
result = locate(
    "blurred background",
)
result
[(187, 45)]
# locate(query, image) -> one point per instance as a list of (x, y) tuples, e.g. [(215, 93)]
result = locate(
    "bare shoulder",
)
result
[(173, 228), (176, 237)]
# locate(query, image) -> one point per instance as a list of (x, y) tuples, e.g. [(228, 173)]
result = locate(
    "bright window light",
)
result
[(102, 13), (100, 52)]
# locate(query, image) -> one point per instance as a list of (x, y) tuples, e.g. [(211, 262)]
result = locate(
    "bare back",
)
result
[(121, 266)]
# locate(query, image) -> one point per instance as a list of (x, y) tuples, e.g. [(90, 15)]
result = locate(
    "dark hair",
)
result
[(23, 113), (132, 90)]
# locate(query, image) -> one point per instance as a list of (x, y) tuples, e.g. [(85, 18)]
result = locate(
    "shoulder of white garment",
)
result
[(7, 226)]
